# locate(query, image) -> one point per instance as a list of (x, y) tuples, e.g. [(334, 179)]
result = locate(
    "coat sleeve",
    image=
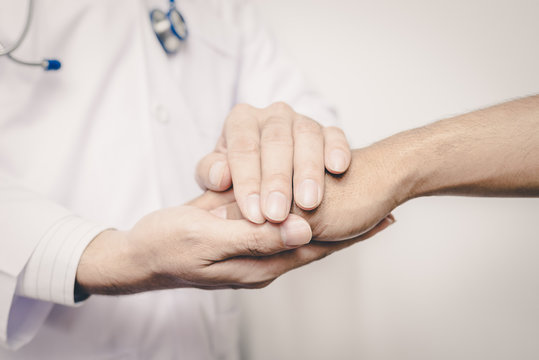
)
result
[(40, 245), (267, 74)]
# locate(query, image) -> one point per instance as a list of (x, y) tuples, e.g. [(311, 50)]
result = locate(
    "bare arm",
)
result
[(489, 152)]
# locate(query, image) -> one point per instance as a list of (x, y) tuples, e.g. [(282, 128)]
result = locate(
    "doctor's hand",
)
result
[(265, 153), (193, 246)]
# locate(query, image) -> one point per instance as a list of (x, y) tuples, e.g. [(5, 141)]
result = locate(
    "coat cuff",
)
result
[(50, 273)]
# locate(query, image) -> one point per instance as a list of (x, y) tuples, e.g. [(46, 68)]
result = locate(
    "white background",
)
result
[(454, 278)]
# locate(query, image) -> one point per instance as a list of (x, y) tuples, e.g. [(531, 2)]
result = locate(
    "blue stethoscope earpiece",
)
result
[(170, 28), (51, 64)]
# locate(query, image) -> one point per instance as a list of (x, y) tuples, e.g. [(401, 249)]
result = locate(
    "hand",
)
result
[(189, 246), (265, 153), (354, 202), (360, 199), (489, 152)]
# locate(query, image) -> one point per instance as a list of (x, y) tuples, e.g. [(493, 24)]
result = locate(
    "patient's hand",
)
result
[(354, 202), (357, 200), (323, 243)]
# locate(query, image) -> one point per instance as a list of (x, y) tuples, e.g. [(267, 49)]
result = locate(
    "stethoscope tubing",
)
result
[(8, 50), (53, 64)]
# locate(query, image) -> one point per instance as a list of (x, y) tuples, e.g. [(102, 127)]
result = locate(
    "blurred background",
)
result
[(454, 278)]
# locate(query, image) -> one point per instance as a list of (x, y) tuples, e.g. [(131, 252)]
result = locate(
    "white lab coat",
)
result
[(112, 136)]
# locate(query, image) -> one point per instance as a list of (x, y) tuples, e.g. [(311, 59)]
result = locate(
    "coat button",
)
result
[(161, 114)]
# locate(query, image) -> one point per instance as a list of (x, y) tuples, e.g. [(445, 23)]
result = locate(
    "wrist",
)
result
[(107, 265), (416, 162), (354, 202), (398, 158)]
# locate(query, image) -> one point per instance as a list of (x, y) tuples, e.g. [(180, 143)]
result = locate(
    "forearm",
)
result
[(490, 152)]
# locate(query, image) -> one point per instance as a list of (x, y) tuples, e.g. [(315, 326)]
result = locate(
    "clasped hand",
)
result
[(222, 239)]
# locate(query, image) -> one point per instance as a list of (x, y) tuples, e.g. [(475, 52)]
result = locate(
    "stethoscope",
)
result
[(170, 29)]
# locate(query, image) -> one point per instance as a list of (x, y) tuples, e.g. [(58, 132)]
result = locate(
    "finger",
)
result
[(256, 272), (243, 151), (265, 269), (213, 172), (277, 153), (337, 150), (390, 219), (309, 166), (243, 272), (242, 238), (211, 200)]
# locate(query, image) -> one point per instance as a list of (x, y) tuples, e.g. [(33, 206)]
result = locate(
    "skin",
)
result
[(264, 152), (194, 246), (490, 152), (272, 155)]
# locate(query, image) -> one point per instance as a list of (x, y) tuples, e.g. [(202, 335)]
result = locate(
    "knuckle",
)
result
[(256, 244), (243, 145), (309, 170), (277, 130), (245, 184), (335, 132), (280, 107), (236, 125), (335, 129), (277, 122), (307, 126), (241, 109), (240, 116), (278, 180)]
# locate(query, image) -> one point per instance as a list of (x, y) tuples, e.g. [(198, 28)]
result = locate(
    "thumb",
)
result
[(248, 239)]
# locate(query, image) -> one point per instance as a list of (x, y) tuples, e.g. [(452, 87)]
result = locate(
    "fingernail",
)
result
[(308, 194), (253, 209), (337, 160), (295, 231), (276, 207), (216, 173)]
